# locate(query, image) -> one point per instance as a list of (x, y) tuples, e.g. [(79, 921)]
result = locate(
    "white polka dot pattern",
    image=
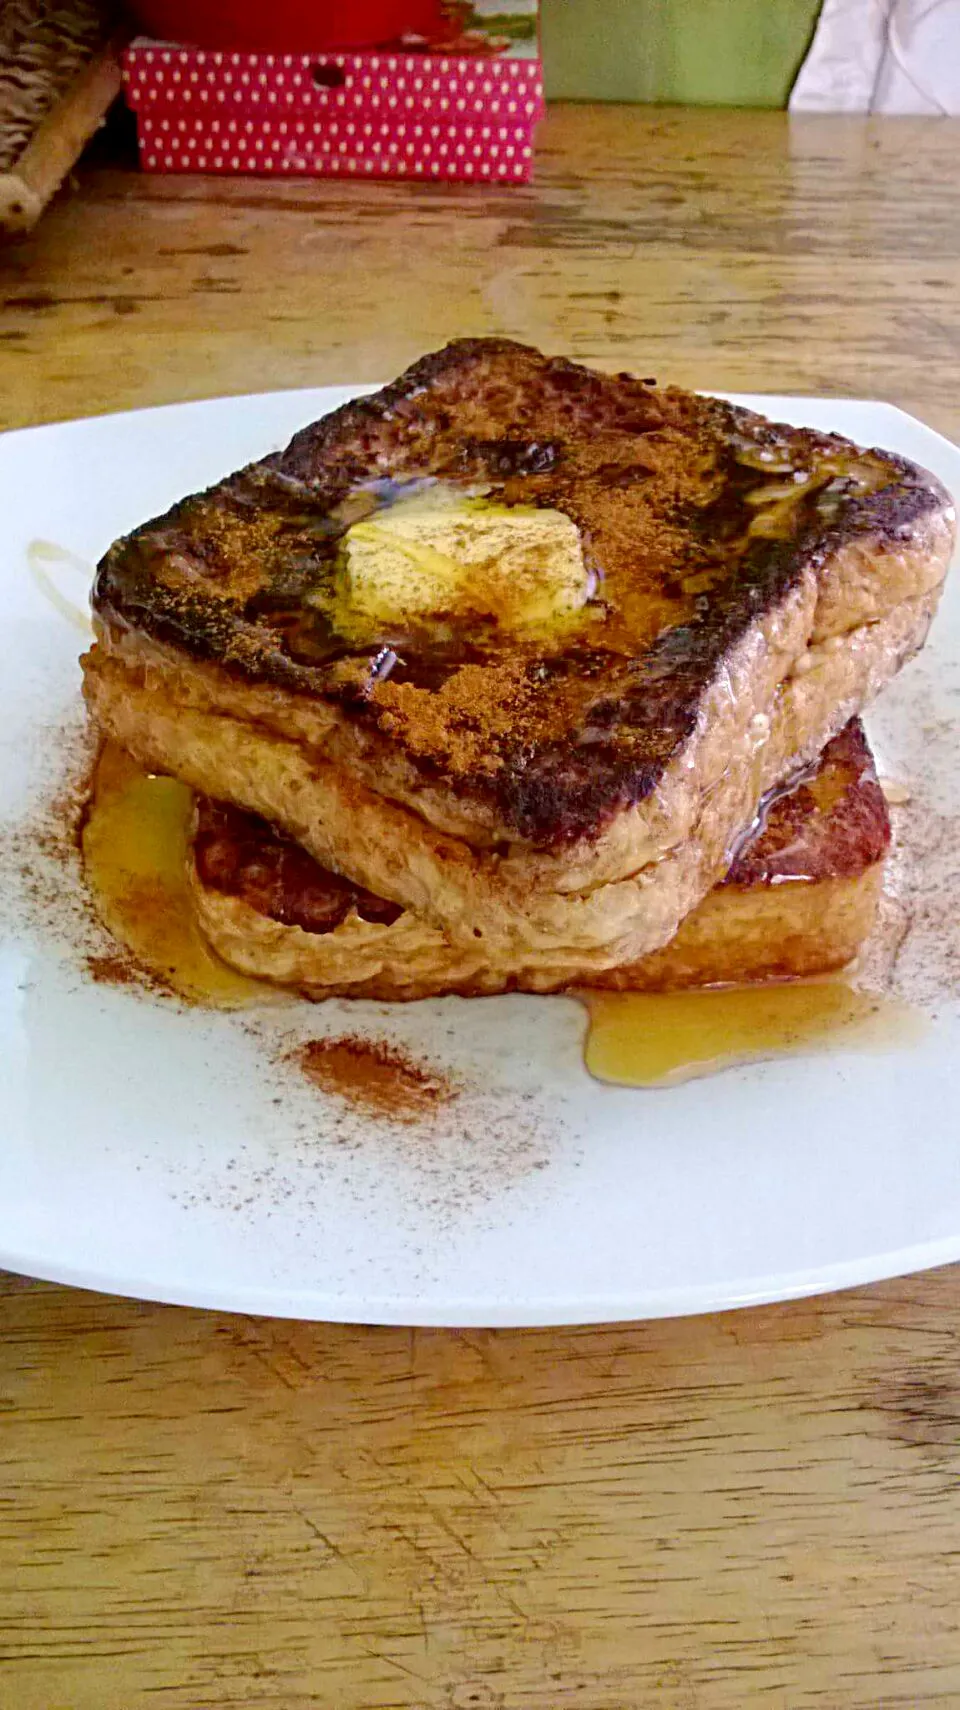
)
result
[(387, 116)]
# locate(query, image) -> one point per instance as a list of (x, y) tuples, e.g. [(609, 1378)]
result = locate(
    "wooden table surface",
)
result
[(755, 1508)]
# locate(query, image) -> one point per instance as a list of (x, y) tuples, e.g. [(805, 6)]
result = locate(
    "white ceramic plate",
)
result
[(168, 1154)]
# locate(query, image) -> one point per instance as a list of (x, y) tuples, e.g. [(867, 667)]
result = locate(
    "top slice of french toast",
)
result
[(522, 581)]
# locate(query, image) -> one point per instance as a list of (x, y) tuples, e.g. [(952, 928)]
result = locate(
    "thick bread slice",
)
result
[(563, 793), (800, 898), (736, 936), (555, 936)]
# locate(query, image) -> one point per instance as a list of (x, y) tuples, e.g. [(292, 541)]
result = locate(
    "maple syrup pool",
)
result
[(135, 844)]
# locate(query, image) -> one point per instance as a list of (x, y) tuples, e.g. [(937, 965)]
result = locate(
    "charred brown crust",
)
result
[(831, 823), (241, 855), (660, 474)]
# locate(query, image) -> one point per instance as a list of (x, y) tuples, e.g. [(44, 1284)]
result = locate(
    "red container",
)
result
[(251, 27), (377, 114)]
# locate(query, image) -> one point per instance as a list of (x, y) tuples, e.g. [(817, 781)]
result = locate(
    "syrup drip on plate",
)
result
[(46, 561), (135, 850), (659, 1039), (135, 846)]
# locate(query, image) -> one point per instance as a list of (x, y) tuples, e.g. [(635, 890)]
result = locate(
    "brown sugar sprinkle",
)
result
[(377, 1078)]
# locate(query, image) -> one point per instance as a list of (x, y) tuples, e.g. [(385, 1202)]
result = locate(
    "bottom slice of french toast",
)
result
[(799, 899)]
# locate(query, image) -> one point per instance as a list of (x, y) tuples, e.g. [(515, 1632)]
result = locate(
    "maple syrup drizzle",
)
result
[(135, 848), (45, 561), (659, 1039)]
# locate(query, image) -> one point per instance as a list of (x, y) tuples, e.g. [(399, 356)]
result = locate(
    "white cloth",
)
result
[(882, 56)]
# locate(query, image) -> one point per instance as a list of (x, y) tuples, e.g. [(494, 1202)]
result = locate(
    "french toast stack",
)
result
[(517, 676)]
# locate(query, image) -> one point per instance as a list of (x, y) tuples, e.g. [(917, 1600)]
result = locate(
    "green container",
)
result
[(735, 53)]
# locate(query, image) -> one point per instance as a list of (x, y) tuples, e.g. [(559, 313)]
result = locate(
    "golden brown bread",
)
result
[(551, 794), (539, 936)]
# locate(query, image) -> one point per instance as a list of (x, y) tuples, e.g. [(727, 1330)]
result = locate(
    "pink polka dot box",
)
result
[(371, 114)]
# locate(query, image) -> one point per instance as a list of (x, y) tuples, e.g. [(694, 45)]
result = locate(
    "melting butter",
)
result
[(439, 553)]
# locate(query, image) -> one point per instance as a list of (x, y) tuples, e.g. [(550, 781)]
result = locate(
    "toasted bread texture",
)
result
[(549, 769), (799, 899)]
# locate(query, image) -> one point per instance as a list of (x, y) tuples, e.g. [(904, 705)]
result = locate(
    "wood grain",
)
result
[(736, 250), (204, 1510), (703, 1515)]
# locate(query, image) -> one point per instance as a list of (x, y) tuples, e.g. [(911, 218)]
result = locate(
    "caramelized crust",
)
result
[(543, 763), (541, 919), (830, 823), (241, 855), (696, 519)]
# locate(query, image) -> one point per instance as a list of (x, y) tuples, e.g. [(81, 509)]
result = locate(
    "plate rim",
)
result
[(406, 1311)]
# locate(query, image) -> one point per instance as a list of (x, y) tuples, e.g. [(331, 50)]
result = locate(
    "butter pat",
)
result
[(441, 555)]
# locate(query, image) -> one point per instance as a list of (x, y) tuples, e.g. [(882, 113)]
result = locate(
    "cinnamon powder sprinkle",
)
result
[(113, 970), (377, 1078)]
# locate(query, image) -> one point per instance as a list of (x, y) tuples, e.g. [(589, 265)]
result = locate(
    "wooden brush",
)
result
[(59, 72)]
